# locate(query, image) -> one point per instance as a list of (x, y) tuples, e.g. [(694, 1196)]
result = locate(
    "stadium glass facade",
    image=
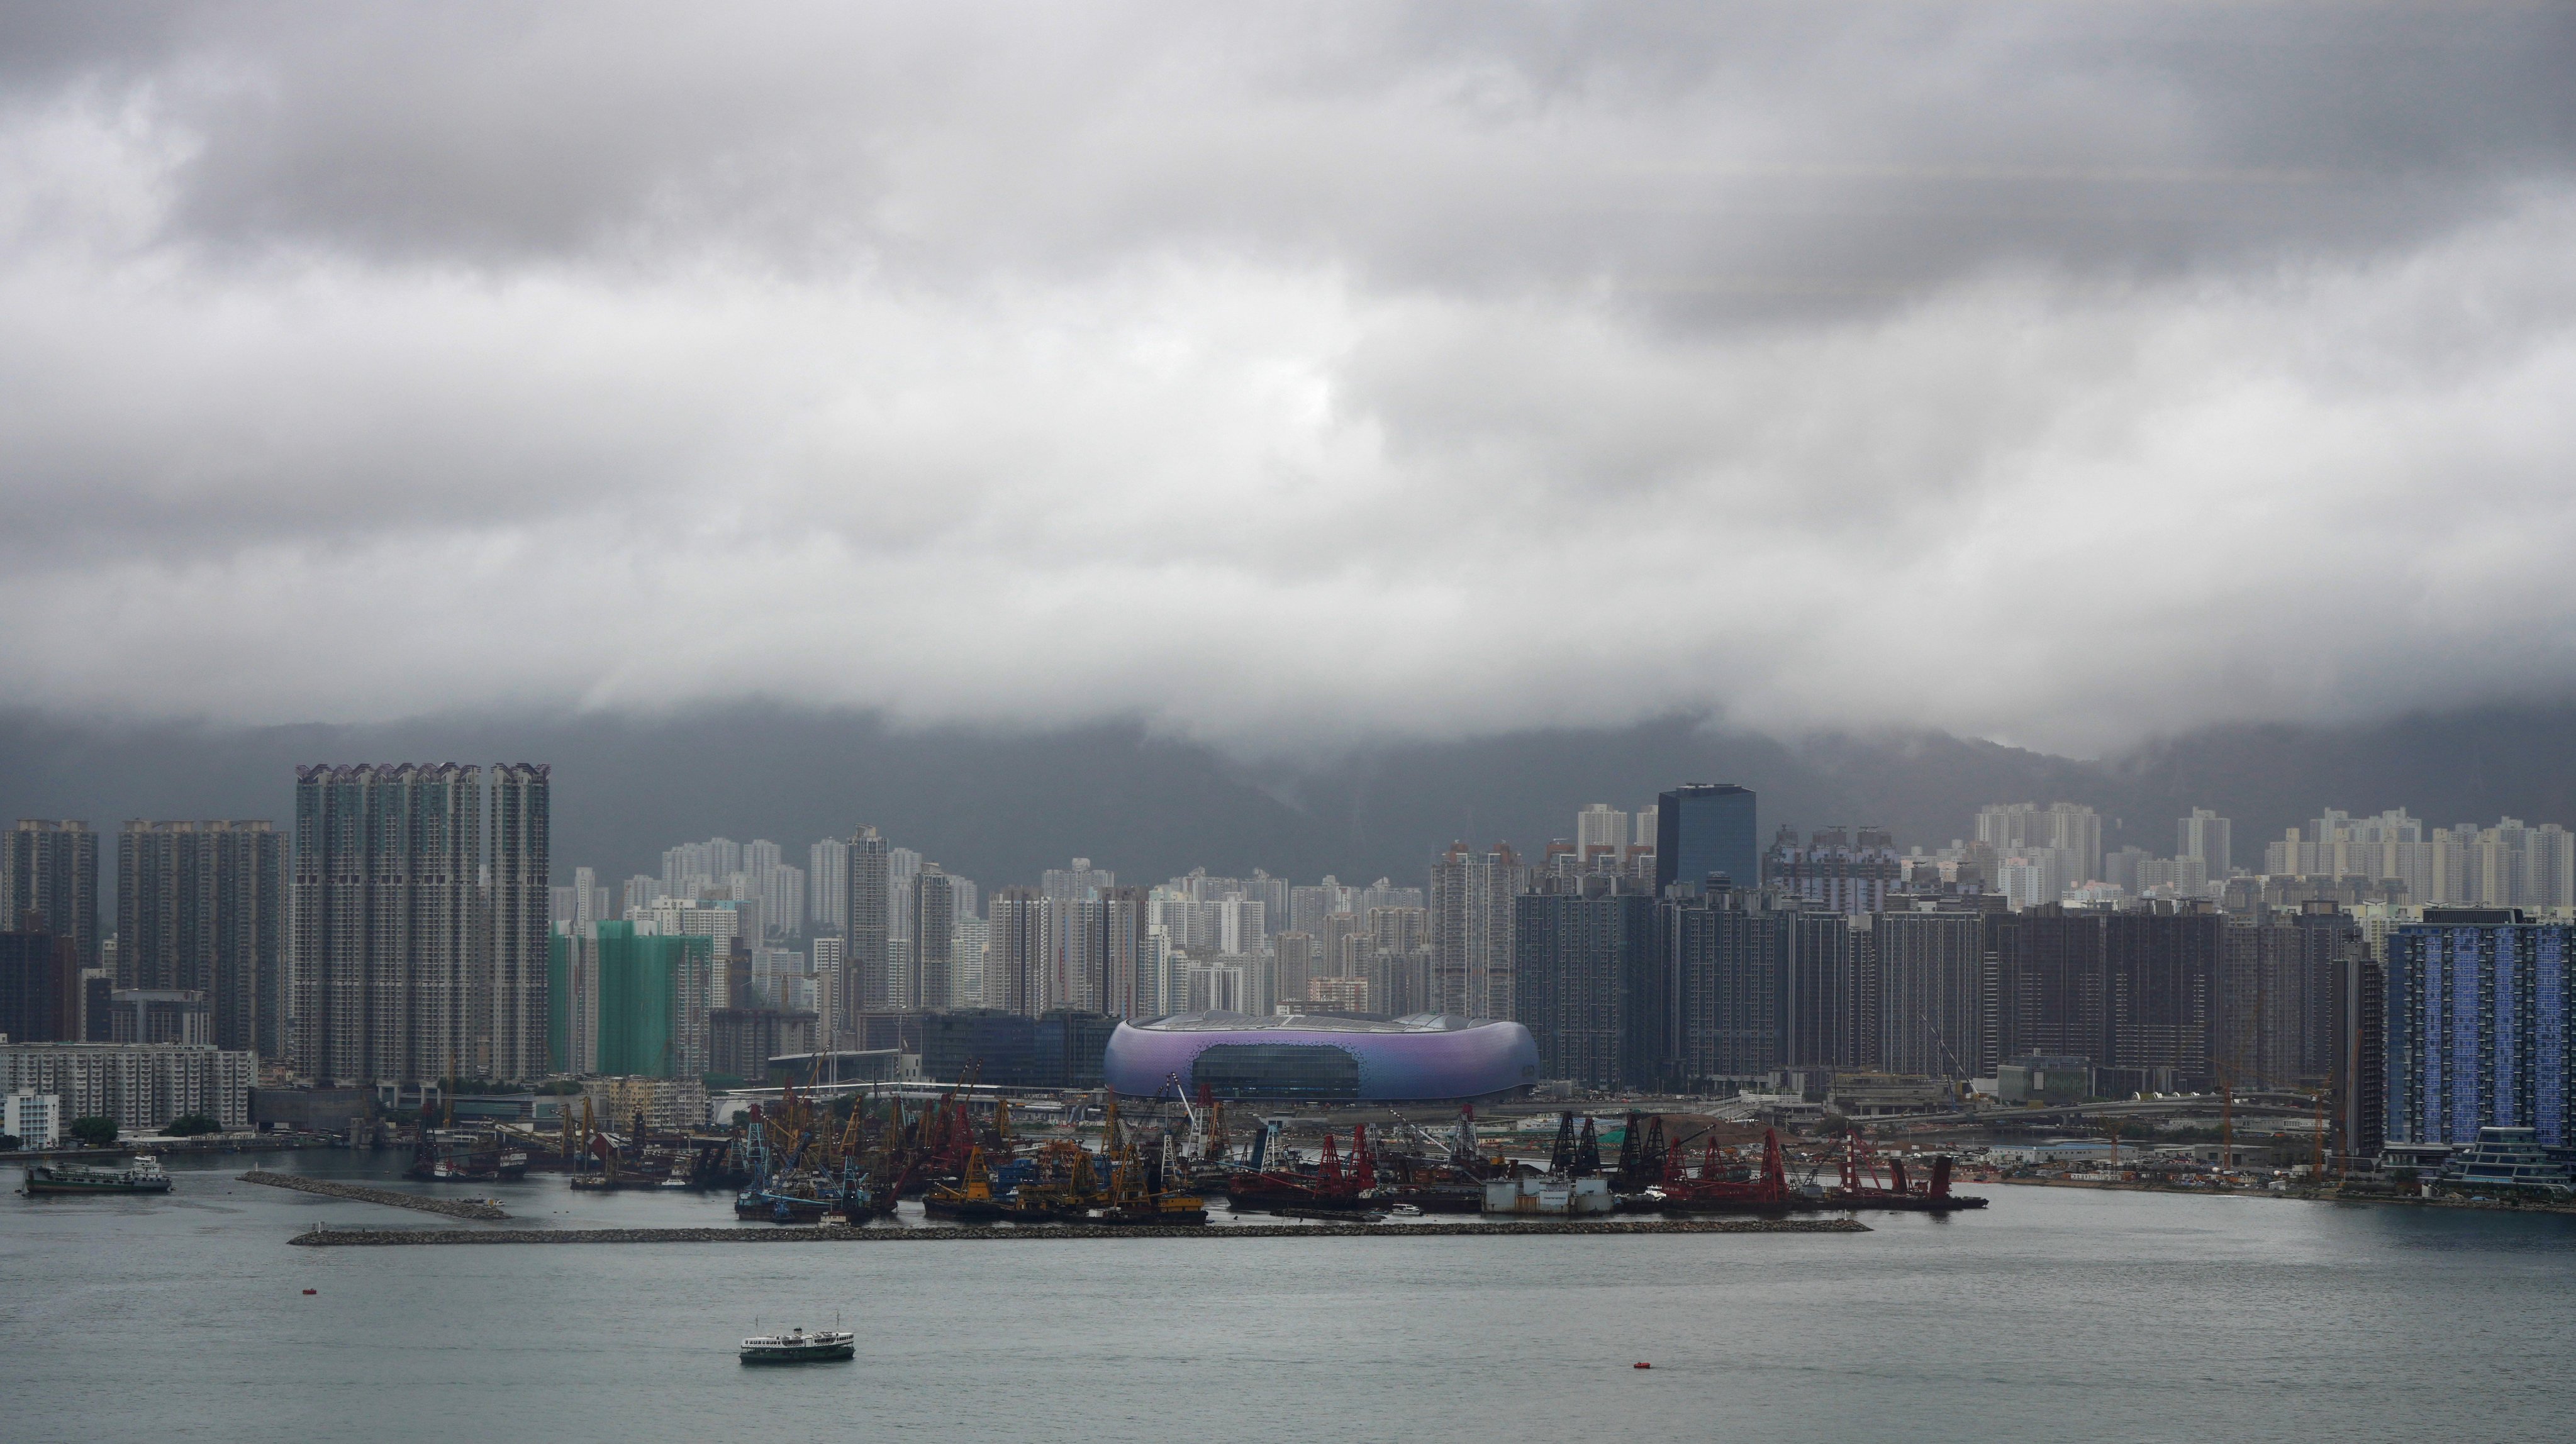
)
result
[(1424, 1057)]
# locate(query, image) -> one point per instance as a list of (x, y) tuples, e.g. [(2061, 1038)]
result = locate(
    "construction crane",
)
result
[(2317, 1145), (2226, 1120)]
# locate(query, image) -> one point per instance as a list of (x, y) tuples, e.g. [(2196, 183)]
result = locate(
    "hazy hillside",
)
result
[(999, 806)]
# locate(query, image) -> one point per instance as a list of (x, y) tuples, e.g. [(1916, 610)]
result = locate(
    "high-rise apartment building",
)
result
[(200, 906), (1295, 965), (825, 964), (140, 1086), (2511, 864), (1131, 986), (1932, 992), (2360, 1057), (1016, 950), (1835, 870), (1308, 905), (50, 870), (652, 1007), (2129, 990), (1588, 986), (519, 866), (572, 999), (902, 866), (2047, 993), (827, 897), (1078, 882), (2275, 994), (420, 934), (700, 868), (2063, 841), (2207, 837), (1600, 828), (1724, 952), (386, 863), (1829, 1001), (1400, 955), (1706, 829), (593, 899), (40, 988), (2482, 1006), (1472, 929), (934, 913), (867, 953), (966, 950), (2160, 968)]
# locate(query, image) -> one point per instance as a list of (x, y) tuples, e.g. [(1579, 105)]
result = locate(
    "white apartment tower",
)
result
[(2205, 835)]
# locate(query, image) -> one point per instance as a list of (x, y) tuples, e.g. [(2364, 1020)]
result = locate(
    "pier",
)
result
[(473, 1208), (324, 1236)]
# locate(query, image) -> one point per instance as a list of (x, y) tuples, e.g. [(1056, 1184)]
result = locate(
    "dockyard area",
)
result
[(961, 1162)]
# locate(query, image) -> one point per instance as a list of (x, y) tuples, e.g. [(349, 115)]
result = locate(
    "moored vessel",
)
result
[(142, 1175)]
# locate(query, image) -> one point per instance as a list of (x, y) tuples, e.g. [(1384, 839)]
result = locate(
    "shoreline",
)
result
[(2399, 1200), (325, 1236)]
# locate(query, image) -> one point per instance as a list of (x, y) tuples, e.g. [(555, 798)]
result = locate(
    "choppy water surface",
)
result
[(2056, 1313)]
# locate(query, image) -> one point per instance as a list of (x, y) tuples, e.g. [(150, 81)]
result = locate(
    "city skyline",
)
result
[(1867, 700)]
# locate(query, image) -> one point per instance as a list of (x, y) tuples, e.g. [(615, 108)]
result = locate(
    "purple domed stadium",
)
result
[(1422, 1058)]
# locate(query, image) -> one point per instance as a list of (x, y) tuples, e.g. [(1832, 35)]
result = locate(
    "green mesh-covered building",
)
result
[(630, 1005)]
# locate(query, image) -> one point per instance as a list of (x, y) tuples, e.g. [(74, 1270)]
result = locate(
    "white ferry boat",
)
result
[(799, 1347)]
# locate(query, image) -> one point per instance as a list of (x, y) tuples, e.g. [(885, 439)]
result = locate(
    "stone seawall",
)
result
[(473, 1208), (329, 1237)]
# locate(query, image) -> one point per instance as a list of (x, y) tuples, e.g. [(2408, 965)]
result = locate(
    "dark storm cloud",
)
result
[(1357, 369), (1875, 145)]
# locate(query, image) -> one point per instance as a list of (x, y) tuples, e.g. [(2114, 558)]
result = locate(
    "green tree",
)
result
[(10, 1142), (190, 1125), (94, 1132)]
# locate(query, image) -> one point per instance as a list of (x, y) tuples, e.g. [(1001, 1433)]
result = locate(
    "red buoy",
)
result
[(314, 1291), (1632, 1366)]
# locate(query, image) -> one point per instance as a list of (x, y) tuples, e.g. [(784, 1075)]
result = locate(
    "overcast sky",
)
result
[(2062, 373)]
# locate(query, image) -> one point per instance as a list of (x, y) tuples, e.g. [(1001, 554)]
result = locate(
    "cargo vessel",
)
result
[(142, 1175)]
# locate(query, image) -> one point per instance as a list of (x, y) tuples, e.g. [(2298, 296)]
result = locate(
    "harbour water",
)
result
[(2054, 1314)]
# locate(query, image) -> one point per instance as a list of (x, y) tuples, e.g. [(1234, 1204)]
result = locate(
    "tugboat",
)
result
[(143, 1175), (799, 1347)]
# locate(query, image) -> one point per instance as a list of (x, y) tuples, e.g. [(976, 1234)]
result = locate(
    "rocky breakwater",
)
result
[(481, 1210), (323, 1237)]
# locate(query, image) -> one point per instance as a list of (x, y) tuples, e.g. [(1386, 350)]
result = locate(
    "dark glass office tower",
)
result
[(1706, 827)]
